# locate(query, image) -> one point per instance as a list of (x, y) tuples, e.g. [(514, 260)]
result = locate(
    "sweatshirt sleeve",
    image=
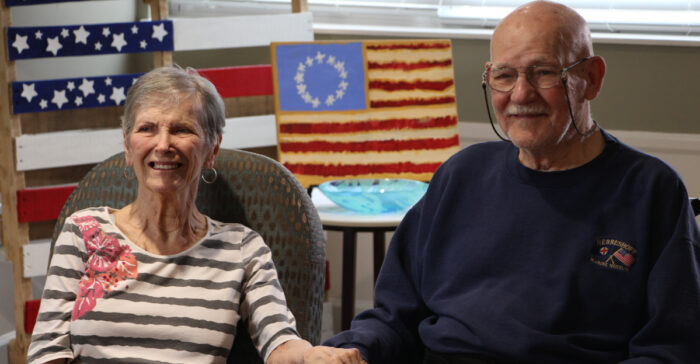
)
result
[(51, 335), (388, 333), (671, 333)]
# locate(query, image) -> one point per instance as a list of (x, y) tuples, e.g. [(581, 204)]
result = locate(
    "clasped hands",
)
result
[(329, 355), (301, 352)]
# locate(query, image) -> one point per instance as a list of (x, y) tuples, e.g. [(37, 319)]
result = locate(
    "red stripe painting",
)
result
[(414, 85), (240, 81), (412, 46), (405, 66), (360, 126), (412, 102), (374, 145)]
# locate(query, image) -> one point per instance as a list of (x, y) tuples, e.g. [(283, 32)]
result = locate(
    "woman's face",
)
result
[(167, 147)]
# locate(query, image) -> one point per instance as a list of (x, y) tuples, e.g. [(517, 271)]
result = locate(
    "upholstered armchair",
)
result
[(253, 190)]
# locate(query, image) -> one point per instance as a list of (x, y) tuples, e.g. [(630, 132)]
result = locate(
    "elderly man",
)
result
[(562, 245)]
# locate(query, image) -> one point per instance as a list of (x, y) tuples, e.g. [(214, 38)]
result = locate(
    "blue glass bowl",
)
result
[(374, 196)]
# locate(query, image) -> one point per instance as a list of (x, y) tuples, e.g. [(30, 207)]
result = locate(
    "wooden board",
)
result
[(240, 31), (68, 148)]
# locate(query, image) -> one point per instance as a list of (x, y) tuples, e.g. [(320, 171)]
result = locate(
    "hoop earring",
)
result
[(212, 179), (128, 175)]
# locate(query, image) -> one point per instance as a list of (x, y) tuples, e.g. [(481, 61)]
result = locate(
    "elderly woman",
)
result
[(157, 281)]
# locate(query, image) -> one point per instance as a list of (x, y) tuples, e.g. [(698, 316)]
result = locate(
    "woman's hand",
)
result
[(289, 352), (329, 355)]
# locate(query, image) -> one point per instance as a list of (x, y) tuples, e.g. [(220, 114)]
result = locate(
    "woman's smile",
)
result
[(162, 166)]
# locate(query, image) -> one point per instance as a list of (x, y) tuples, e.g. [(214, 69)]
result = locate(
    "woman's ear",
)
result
[(127, 153), (214, 153), (596, 73)]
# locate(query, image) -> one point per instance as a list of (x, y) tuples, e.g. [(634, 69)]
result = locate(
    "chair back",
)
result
[(253, 190), (695, 203)]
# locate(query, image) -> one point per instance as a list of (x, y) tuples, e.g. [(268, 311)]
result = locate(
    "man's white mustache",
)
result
[(526, 109)]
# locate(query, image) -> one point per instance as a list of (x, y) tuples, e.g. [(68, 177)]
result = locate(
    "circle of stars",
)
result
[(319, 59)]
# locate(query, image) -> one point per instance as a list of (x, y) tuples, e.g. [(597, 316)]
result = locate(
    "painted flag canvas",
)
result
[(364, 109)]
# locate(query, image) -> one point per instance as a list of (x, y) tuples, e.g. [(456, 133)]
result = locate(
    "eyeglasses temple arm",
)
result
[(488, 111)]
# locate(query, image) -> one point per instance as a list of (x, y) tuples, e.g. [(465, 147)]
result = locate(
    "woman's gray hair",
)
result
[(168, 85)]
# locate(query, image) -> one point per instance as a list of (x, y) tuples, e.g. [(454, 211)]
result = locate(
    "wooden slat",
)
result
[(43, 203), (241, 81), (250, 132), (41, 229), (249, 106), (14, 235), (31, 309), (48, 121), (55, 177), (300, 6), (66, 148), (159, 11), (78, 147), (241, 31), (36, 258)]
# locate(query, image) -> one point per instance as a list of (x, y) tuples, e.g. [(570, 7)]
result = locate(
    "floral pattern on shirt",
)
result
[(108, 264)]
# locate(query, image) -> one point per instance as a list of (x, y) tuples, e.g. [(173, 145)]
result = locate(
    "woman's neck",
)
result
[(162, 225)]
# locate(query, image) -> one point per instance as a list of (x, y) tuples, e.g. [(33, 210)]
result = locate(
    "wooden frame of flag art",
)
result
[(364, 109)]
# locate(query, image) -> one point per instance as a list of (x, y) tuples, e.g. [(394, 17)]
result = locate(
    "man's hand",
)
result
[(329, 355)]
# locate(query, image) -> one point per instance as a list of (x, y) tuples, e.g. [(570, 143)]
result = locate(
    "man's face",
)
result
[(534, 119)]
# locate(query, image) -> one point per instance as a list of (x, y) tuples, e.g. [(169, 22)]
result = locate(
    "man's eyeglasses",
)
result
[(503, 79)]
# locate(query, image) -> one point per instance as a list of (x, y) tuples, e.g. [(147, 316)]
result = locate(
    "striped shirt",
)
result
[(107, 300)]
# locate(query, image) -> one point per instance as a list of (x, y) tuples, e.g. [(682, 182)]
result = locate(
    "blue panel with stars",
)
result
[(89, 39), (320, 77), (71, 93), (9, 3)]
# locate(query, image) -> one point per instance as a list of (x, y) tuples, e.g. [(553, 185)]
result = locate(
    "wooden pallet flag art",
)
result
[(366, 109), (89, 39)]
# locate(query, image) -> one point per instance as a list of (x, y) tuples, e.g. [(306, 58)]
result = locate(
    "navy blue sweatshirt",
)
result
[(597, 264)]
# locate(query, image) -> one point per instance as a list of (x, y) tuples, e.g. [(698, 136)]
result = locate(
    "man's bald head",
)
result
[(560, 26)]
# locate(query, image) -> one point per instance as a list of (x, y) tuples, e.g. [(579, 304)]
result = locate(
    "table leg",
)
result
[(349, 259), (379, 246)]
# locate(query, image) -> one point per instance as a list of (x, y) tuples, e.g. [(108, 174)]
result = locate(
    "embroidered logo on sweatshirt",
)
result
[(615, 254)]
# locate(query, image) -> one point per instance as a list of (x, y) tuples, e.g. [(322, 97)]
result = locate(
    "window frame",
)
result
[(446, 19)]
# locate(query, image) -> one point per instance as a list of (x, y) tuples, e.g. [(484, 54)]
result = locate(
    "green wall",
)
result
[(650, 88)]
